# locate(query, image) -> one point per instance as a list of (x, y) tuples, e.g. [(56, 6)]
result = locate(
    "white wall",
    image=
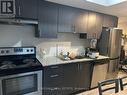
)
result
[(17, 35)]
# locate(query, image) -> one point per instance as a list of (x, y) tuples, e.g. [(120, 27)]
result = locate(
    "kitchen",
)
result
[(62, 35)]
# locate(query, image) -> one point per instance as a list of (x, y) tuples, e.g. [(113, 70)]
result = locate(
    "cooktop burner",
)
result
[(19, 63), (7, 64)]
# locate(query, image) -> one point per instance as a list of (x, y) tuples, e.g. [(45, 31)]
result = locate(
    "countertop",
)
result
[(53, 60)]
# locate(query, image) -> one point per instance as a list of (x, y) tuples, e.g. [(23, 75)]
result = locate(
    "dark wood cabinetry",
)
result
[(95, 24), (82, 21), (53, 78), (48, 18), (91, 33), (96, 21), (67, 19), (72, 20), (26, 9), (77, 76), (54, 18), (110, 21), (68, 78), (99, 24), (76, 20)]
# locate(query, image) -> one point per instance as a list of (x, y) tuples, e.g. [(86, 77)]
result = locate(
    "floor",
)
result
[(95, 91)]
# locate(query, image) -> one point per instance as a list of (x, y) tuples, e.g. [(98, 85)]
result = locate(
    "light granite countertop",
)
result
[(53, 60)]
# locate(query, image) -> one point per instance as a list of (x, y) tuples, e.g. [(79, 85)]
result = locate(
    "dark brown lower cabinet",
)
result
[(67, 79), (52, 82)]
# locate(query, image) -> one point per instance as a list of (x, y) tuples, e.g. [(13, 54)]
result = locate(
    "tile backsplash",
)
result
[(23, 35)]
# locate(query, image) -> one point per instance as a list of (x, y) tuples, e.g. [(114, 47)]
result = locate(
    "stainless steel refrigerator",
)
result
[(109, 44)]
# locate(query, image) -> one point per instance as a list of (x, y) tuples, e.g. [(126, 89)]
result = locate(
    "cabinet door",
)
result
[(110, 21), (26, 9), (91, 25), (99, 24), (70, 77), (47, 16), (67, 18), (81, 21), (84, 80)]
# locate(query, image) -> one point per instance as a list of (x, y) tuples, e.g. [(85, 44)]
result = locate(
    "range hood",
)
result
[(18, 21)]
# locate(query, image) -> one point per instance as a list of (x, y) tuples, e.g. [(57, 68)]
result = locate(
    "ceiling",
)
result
[(119, 10)]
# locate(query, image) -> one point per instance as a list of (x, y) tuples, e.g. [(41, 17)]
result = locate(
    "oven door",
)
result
[(22, 84)]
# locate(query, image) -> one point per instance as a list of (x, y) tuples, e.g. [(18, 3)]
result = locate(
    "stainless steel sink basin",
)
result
[(82, 57)]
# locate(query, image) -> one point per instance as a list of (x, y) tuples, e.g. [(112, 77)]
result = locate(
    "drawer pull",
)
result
[(53, 76), (54, 67), (54, 89)]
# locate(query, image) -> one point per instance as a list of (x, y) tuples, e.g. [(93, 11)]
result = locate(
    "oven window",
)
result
[(20, 85)]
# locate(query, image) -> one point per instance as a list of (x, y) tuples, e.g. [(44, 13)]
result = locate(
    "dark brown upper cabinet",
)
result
[(110, 21), (95, 24), (82, 21), (96, 21), (67, 19), (54, 18), (72, 20), (99, 24), (26, 9), (91, 33), (47, 19)]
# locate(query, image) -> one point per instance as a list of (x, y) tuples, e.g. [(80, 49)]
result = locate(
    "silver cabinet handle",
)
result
[(19, 10), (54, 67), (54, 89), (74, 29), (53, 76), (78, 67)]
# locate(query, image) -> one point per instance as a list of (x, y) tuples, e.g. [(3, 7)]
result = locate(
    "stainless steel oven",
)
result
[(29, 83)]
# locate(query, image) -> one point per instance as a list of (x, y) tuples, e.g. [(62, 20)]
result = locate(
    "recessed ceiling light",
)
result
[(106, 2)]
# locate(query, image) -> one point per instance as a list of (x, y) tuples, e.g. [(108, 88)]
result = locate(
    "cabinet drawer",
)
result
[(56, 69), (53, 80)]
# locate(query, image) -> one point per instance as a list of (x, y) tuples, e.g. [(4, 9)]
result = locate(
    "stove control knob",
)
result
[(32, 50), (7, 51), (27, 50), (2, 51)]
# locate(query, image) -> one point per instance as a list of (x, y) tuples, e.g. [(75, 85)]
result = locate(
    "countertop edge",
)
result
[(56, 61)]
